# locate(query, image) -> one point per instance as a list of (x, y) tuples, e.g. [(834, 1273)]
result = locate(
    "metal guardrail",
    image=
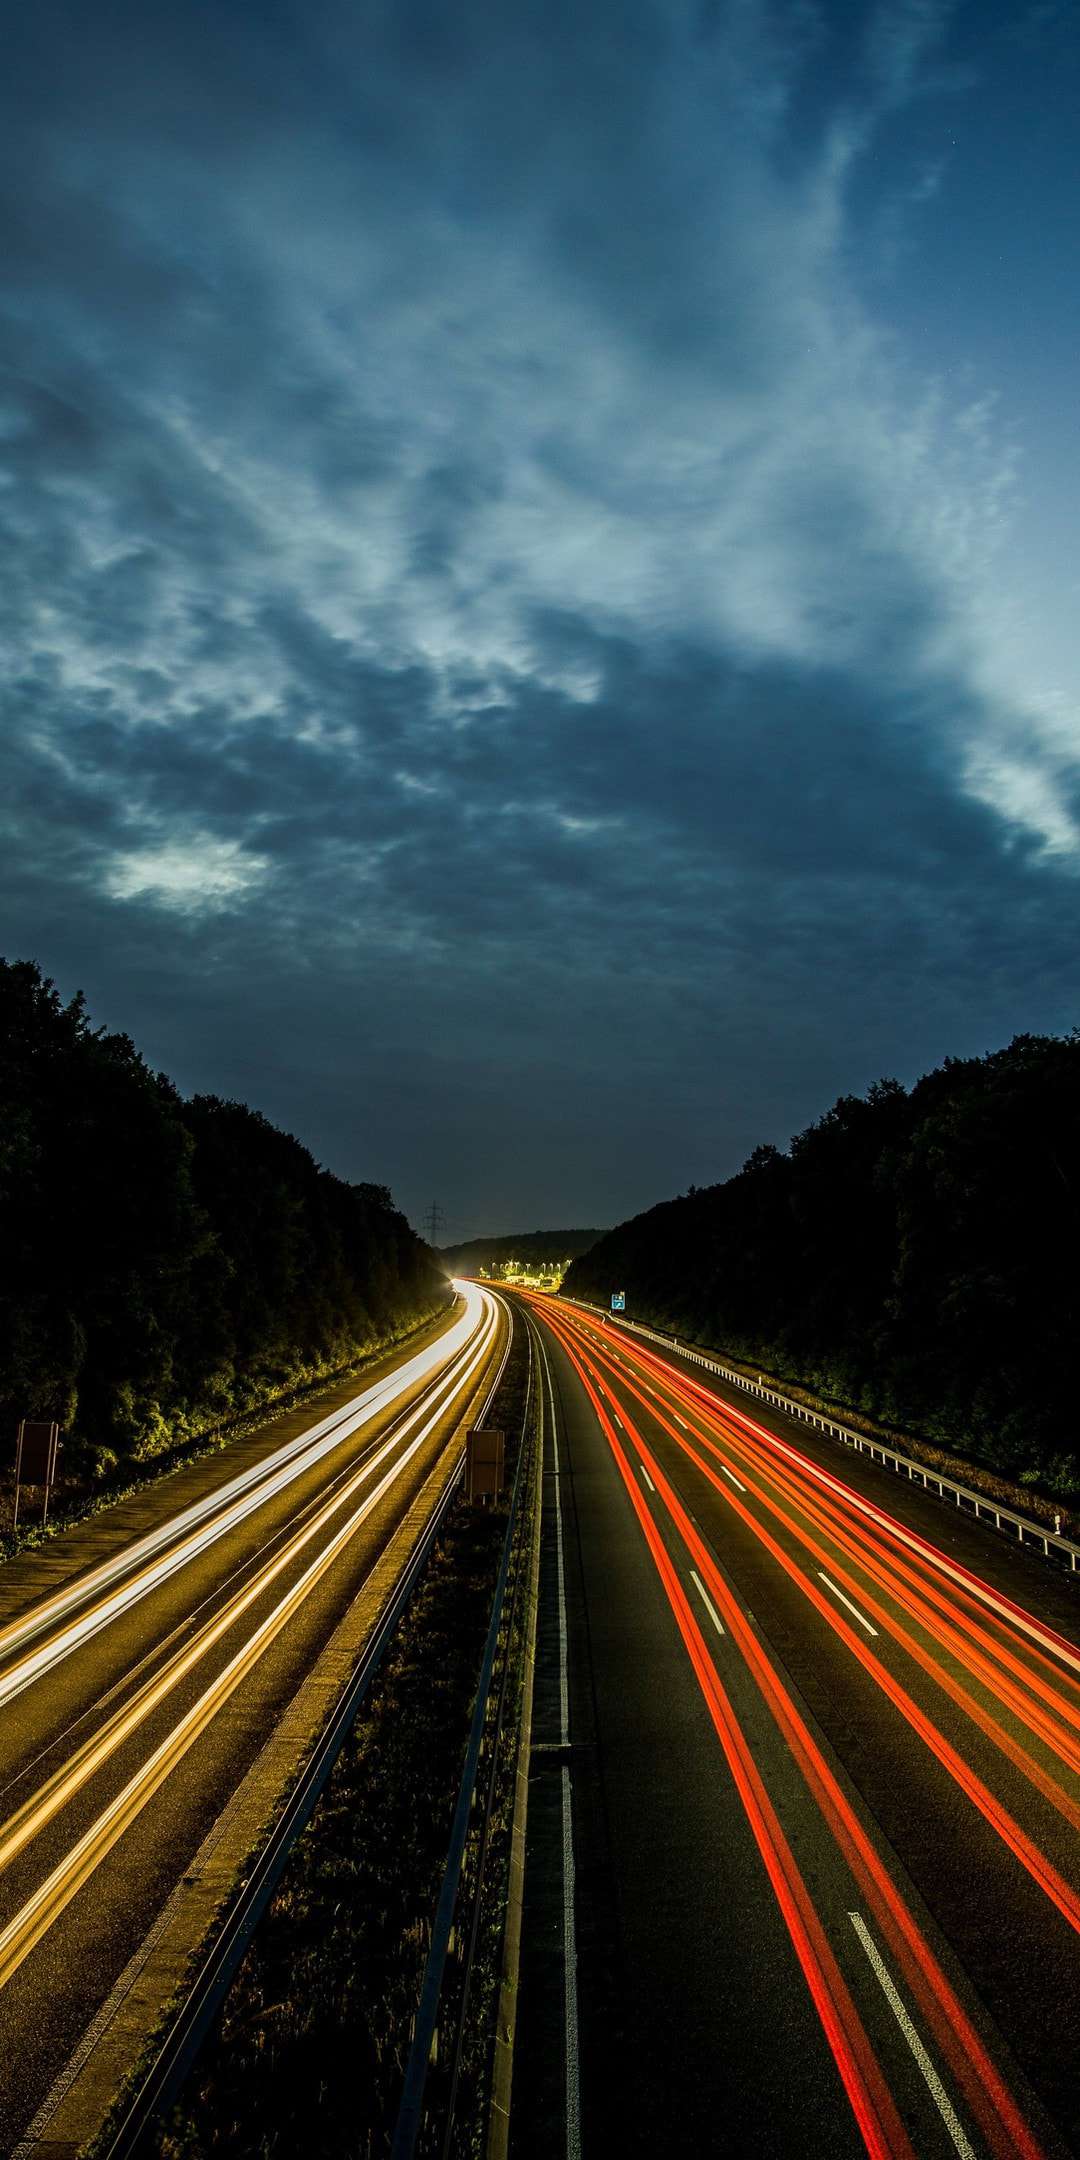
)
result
[(205, 1997), (411, 2113), (1026, 1529)]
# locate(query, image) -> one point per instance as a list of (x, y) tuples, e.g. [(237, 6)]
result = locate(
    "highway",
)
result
[(818, 1886), (148, 1658)]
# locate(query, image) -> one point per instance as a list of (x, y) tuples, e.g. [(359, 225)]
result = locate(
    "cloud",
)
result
[(189, 875), (472, 542)]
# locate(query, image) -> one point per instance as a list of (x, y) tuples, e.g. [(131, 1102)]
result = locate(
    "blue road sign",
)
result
[(618, 1301)]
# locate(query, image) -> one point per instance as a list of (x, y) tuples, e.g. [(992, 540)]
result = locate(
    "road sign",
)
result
[(35, 1459), (618, 1301), (483, 1462)]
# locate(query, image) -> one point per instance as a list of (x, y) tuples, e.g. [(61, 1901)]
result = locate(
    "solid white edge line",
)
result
[(707, 1602), (570, 2004), (860, 1617), (560, 1576), (938, 2093), (646, 1477), (573, 2075)]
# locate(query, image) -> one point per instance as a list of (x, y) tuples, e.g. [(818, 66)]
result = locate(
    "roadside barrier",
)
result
[(1053, 1544)]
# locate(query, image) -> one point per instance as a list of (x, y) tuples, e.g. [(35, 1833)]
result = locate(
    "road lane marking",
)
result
[(560, 1578), (731, 1474), (681, 1421), (573, 2106), (707, 1602), (860, 1617), (872, 2103), (985, 2092), (646, 1477), (570, 2006), (940, 2097), (1004, 1609)]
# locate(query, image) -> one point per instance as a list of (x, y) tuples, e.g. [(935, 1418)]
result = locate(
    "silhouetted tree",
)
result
[(165, 1265), (914, 1255)]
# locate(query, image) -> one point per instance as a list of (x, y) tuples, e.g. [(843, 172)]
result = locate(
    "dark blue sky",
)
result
[(539, 600)]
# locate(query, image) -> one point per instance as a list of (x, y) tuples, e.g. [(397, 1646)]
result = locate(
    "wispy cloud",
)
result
[(415, 433)]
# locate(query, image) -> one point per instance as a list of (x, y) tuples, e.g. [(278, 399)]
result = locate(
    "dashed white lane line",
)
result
[(732, 1476), (860, 1617), (940, 2097), (707, 1601), (681, 1421), (646, 1477)]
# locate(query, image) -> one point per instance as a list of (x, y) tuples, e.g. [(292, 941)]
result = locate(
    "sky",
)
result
[(539, 600)]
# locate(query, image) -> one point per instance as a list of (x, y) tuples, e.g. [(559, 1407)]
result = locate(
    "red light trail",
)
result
[(1015, 1672)]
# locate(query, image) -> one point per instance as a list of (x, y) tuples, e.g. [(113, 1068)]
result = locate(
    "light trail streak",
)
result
[(39, 1912), (962, 1633), (1037, 1865), (211, 1518), (947, 1639), (50, 1798), (838, 1503), (1005, 1694), (875, 2112), (1056, 1647), (1061, 1744), (992, 2105)]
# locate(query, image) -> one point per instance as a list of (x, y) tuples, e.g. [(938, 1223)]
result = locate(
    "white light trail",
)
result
[(211, 1518)]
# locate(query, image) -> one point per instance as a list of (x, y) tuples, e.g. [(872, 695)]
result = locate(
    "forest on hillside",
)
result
[(168, 1265), (529, 1248), (914, 1255)]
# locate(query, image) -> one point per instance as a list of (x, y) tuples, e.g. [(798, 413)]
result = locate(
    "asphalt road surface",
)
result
[(803, 1873), (146, 1657)]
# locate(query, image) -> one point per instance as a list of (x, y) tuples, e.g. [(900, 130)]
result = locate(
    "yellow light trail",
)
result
[(39, 1912), (214, 1516)]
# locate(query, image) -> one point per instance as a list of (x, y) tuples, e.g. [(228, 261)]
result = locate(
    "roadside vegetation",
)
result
[(170, 1267), (914, 1257), (310, 2049)]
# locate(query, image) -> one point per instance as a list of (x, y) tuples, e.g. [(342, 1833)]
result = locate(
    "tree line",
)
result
[(913, 1256), (167, 1265), (530, 1248)]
